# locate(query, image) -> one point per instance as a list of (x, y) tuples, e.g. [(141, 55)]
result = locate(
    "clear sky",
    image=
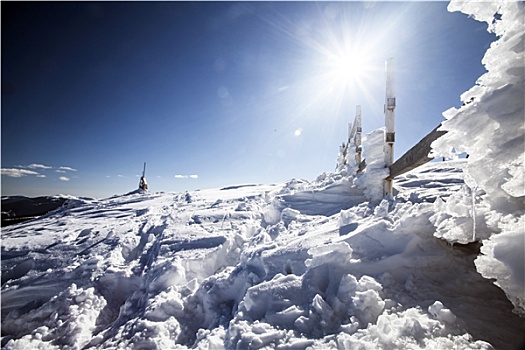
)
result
[(212, 94)]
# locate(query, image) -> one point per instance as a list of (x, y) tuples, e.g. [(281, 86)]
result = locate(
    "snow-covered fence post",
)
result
[(359, 130), (348, 142), (390, 105), (349, 133), (354, 138)]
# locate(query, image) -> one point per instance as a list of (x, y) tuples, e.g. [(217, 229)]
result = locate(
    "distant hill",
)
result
[(17, 209)]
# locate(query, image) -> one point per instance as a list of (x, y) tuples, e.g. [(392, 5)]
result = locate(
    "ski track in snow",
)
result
[(249, 267)]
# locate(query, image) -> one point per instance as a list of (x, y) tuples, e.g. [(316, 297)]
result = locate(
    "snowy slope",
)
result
[(241, 268)]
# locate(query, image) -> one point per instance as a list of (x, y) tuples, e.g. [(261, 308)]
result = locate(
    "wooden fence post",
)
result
[(390, 105)]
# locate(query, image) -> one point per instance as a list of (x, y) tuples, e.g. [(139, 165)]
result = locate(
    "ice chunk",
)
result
[(490, 128), (439, 312), (330, 253)]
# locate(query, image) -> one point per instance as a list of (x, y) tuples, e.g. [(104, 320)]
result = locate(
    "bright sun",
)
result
[(348, 67), (339, 65)]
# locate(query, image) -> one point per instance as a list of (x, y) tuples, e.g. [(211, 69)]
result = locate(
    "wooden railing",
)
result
[(416, 156)]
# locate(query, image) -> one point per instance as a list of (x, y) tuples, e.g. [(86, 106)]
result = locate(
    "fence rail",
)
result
[(416, 156)]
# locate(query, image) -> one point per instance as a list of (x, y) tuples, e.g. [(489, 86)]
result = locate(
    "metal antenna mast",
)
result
[(143, 185)]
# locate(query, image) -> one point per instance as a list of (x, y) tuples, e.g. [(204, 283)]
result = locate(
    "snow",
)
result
[(493, 118), (297, 265), (241, 268), (373, 176)]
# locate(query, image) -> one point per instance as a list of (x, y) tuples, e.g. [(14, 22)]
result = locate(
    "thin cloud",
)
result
[(63, 178), (40, 175), (38, 166), (178, 176), (60, 171), (17, 172), (66, 168)]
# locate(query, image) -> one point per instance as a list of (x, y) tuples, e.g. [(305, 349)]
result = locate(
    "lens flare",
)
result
[(350, 67), (334, 60)]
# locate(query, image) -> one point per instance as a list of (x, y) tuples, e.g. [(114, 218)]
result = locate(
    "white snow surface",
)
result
[(326, 264), (297, 265)]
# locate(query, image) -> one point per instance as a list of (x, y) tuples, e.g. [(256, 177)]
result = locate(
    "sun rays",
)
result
[(341, 62)]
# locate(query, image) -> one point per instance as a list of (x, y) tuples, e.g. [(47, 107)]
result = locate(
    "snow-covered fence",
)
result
[(416, 156)]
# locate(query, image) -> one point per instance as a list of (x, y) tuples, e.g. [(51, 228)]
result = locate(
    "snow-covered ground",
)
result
[(321, 264), (249, 267)]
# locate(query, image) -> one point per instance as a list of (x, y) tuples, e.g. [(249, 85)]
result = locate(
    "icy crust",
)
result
[(490, 127), (369, 181), (460, 218), (242, 269), (372, 178), (503, 259)]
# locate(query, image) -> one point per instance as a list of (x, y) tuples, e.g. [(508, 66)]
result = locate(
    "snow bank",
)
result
[(490, 127)]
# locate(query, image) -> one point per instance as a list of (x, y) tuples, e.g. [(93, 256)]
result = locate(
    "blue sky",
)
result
[(212, 94)]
